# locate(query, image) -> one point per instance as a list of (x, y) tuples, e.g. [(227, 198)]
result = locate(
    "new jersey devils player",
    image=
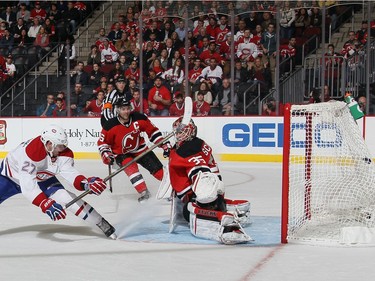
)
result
[(196, 180), (121, 140), (31, 169)]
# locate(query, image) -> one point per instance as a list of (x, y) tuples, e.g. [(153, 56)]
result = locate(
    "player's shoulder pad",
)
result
[(138, 116), (109, 124), (35, 150), (189, 148)]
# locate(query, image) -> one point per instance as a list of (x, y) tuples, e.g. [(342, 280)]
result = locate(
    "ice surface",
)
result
[(34, 248)]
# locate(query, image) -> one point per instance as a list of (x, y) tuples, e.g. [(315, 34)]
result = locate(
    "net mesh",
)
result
[(331, 175)]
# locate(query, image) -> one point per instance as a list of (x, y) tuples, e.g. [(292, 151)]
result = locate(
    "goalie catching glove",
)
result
[(54, 210), (95, 184)]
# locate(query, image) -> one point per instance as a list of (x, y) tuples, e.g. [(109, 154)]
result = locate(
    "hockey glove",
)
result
[(107, 157), (53, 209), (96, 185), (167, 149)]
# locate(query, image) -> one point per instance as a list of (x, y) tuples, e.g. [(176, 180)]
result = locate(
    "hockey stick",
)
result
[(110, 180), (185, 120)]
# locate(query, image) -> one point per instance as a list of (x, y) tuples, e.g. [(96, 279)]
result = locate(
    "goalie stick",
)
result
[(185, 120)]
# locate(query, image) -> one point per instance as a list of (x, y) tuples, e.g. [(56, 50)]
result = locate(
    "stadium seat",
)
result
[(21, 63), (17, 51), (4, 52)]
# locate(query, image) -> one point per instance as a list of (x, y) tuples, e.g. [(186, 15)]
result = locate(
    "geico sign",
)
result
[(258, 135), (324, 135)]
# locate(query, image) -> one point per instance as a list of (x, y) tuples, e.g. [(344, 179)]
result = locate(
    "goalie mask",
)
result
[(184, 132), (56, 135)]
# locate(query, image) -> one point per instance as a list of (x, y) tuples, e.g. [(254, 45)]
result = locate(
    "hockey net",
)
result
[(328, 177)]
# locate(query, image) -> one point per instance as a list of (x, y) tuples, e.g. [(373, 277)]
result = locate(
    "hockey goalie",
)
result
[(198, 187)]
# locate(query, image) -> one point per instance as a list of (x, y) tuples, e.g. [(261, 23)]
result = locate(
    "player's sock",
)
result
[(145, 195)]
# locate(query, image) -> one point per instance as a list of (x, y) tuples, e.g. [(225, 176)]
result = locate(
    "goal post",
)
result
[(328, 178)]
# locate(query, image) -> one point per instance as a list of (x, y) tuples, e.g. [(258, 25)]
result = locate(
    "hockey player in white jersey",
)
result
[(31, 169)]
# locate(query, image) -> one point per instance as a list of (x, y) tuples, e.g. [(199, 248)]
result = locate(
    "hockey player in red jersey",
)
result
[(196, 180), (31, 169), (121, 140)]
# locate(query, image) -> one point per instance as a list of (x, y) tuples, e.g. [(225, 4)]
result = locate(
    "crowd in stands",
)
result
[(29, 29), (115, 53)]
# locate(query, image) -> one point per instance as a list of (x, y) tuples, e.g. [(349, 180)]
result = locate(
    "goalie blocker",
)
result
[(199, 186)]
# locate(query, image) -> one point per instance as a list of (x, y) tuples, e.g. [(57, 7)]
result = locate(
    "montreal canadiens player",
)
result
[(31, 169), (195, 178), (121, 140)]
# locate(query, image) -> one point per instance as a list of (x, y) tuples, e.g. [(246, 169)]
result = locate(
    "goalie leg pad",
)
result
[(240, 209), (216, 225)]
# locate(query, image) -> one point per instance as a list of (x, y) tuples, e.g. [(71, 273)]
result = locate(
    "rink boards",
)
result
[(238, 138)]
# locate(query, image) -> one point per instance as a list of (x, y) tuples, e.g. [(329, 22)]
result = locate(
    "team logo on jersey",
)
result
[(44, 175)]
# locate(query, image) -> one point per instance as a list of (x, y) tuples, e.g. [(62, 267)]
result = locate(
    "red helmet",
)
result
[(184, 132)]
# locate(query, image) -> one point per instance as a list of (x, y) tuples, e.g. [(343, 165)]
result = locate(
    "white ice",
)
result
[(34, 248)]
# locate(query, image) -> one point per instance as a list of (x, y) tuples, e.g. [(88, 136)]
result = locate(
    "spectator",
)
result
[(164, 59), (64, 55), (61, 95), (247, 51), (222, 30), (159, 99), (181, 30), (78, 75), (7, 40), (46, 109), (269, 107), (288, 54), (42, 41), (174, 75), (109, 54), (268, 43), (101, 38), (195, 71), (60, 109), (316, 18), (222, 105), (78, 101), (23, 40), (302, 21), (23, 13), (94, 107), (95, 75), (178, 106), (200, 106), (116, 72), (10, 74), (166, 32), (18, 27), (213, 76), (123, 45), (207, 55), (94, 56), (361, 35), (50, 28), (204, 89), (362, 100), (9, 16), (54, 14), (133, 71), (136, 103), (259, 72), (71, 18), (38, 13), (177, 43), (34, 29), (288, 16), (115, 34)]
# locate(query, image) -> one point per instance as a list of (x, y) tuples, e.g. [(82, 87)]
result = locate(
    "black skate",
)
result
[(144, 196), (107, 228)]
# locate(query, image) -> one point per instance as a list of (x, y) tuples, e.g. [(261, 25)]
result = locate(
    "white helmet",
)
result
[(55, 134)]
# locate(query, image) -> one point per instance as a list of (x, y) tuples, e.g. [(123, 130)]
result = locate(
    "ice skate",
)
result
[(107, 228), (144, 196)]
